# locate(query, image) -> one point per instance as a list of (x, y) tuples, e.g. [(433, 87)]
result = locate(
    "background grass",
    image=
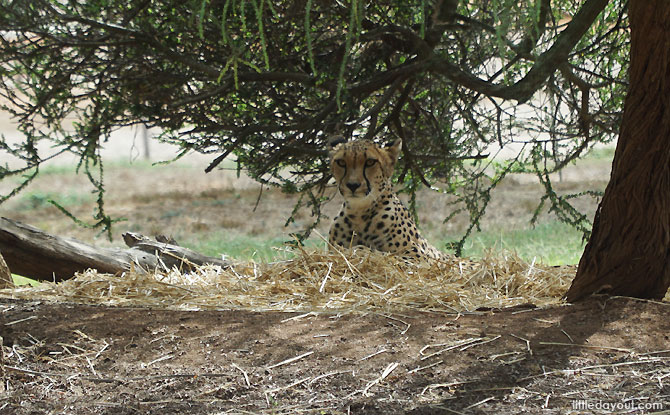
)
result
[(19, 280), (552, 243), (241, 247)]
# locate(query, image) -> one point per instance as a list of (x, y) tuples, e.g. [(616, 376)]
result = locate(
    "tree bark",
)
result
[(629, 248), (35, 254), (6, 280)]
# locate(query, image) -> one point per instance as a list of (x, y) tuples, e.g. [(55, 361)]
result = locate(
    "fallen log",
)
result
[(33, 253), (170, 254), (5, 276)]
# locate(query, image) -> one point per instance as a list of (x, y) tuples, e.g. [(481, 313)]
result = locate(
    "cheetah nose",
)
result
[(353, 186)]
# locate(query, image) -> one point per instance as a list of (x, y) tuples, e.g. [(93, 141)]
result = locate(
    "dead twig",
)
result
[(288, 361)]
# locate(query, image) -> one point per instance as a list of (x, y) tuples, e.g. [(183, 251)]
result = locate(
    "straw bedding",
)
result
[(355, 279)]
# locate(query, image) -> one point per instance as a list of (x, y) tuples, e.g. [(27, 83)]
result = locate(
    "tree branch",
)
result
[(544, 66)]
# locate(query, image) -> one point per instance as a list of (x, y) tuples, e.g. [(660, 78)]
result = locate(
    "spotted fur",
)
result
[(372, 215)]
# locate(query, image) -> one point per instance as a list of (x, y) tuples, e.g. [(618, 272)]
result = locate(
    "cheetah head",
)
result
[(362, 169)]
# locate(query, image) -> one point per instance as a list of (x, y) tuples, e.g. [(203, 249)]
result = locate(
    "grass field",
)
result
[(216, 213), (553, 243)]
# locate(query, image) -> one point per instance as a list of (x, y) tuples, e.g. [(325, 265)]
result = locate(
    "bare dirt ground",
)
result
[(605, 355), (600, 356)]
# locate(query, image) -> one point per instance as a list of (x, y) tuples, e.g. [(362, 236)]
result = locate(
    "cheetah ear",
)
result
[(334, 140), (393, 150)]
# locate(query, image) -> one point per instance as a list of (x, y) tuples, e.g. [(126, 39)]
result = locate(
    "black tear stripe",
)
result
[(365, 176), (340, 180)]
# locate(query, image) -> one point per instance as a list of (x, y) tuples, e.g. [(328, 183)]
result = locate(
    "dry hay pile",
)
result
[(350, 280)]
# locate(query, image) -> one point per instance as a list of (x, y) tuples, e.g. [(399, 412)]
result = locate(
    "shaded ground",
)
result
[(73, 359)]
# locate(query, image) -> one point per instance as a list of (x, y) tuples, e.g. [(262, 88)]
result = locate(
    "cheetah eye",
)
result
[(341, 163), (370, 162)]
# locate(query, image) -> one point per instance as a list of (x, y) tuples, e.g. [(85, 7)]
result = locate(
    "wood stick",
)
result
[(36, 254)]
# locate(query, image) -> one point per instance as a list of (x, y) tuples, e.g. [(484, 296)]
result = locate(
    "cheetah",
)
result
[(372, 215)]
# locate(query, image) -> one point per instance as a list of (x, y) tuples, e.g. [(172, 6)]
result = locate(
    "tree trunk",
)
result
[(35, 254), (629, 249)]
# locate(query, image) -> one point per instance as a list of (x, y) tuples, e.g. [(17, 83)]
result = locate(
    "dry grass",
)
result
[(349, 280)]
